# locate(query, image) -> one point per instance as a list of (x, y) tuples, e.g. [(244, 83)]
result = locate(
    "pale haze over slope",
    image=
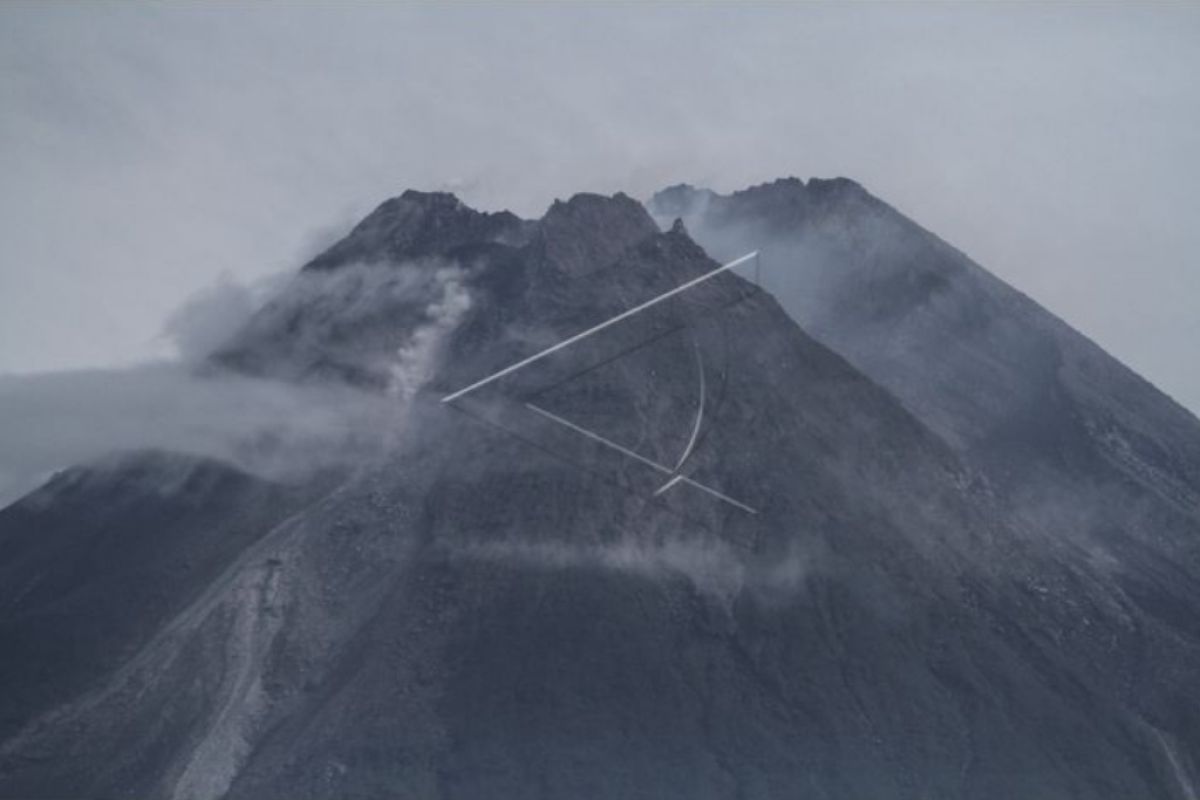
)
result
[(148, 150)]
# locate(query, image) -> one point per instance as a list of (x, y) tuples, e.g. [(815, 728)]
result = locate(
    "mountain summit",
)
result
[(877, 527), (418, 225)]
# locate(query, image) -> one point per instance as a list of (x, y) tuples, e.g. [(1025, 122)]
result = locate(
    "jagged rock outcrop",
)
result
[(590, 232), (419, 225)]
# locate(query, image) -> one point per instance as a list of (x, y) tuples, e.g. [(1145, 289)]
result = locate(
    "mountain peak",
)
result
[(679, 199), (620, 212), (427, 198), (419, 224), (590, 231), (781, 203)]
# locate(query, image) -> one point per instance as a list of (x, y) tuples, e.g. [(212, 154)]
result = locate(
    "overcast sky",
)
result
[(145, 151)]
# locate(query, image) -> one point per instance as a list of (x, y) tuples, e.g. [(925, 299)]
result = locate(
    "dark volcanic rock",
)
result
[(504, 608), (348, 311), (100, 558), (981, 363), (1037, 405), (419, 225), (589, 232)]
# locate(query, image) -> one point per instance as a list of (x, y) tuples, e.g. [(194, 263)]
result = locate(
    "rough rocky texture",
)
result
[(96, 561), (982, 364), (1072, 436), (590, 232), (499, 608), (419, 225)]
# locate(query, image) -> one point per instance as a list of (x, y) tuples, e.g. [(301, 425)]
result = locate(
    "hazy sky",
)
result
[(147, 150)]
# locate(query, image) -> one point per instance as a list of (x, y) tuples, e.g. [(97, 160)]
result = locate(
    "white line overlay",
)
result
[(687, 451), (675, 476), (597, 328)]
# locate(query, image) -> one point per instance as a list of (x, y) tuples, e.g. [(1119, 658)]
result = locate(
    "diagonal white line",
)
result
[(597, 328), (597, 438), (676, 478)]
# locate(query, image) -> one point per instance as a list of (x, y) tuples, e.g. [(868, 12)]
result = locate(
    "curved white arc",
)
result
[(691, 444)]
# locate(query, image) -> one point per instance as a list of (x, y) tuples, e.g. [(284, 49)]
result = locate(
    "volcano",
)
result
[(872, 525)]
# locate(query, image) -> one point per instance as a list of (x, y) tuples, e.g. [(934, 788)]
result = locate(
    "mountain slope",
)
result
[(499, 606), (1079, 443), (99, 559), (983, 365)]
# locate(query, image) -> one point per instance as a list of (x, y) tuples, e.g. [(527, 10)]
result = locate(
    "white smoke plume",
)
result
[(415, 360)]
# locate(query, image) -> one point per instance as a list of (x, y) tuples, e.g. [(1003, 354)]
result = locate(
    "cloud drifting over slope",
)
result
[(282, 429), (146, 150)]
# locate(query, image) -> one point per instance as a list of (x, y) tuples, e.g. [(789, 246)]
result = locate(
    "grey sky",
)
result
[(146, 150)]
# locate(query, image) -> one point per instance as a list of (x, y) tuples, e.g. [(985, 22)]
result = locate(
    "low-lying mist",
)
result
[(278, 427), (711, 566), (57, 420)]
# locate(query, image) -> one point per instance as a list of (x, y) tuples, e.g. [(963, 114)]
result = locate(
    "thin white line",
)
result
[(597, 328), (597, 437), (662, 489), (636, 456), (687, 451)]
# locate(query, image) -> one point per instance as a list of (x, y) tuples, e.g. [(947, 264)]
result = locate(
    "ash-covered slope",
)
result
[(501, 607), (1077, 441), (983, 365), (97, 560)]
